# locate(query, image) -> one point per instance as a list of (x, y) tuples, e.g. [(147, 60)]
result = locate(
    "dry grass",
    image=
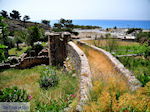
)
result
[(102, 43), (28, 79), (110, 92), (101, 67)]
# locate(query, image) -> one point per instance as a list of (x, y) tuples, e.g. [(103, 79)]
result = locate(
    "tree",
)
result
[(115, 27), (25, 18), (4, 34), (4, 14), (34, 35), (15, 15), (18, 38), (2, 51), (46, 22), (143, 37), (64, 25)]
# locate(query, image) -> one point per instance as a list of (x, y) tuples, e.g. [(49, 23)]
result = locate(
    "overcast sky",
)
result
[(80, 9)]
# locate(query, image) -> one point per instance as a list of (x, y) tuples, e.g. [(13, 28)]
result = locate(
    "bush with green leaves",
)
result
[(35, 33), (140, 68), (37, 48), (48, 78), (14, 95), (48, 81), (2, 50)]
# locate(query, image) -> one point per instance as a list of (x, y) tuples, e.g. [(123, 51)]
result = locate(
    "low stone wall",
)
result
[(4, 66), (32, 61), (82, 67), (132, 81), (27, 63)]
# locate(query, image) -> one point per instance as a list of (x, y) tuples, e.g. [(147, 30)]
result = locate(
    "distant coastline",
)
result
[(144, 24)]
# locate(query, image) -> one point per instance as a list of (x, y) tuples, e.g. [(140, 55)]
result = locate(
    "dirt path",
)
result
[(101, 67)]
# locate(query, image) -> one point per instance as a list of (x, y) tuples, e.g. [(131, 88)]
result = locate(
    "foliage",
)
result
[(55, 106), (35, 33), (46, 22), (112, 45), (18, 38), (4, 35), (109, 100), (143, 37), (115, 27), (37, 48), (64, 25), (2, 50), (15, 15), (85, 27), (64, 93), (48, 79), (13, 95), (124, 50), (140, 68), (131, 30), (4, 14), (25, 18), (18, 52)]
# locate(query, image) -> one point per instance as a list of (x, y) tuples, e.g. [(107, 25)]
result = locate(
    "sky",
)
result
[(80, 9)]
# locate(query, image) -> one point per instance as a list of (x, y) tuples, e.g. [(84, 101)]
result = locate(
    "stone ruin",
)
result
[(57, 43)]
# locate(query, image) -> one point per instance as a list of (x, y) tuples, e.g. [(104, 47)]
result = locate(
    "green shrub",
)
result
[(14, 95), (37, 48), (140, 68), (55, 106), (144, 78), (48, 81)]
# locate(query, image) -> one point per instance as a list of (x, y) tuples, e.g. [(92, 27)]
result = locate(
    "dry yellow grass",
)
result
[(105, 41), (101, 67), (110, 92)]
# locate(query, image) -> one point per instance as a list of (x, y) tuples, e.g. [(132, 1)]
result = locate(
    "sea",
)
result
[(144, 24)]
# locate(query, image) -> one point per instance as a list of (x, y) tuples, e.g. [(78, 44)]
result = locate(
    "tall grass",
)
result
[(28, 79), (110, 92), (140, 68)]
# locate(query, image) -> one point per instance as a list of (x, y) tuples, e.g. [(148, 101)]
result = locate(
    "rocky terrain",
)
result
[(14, 25)]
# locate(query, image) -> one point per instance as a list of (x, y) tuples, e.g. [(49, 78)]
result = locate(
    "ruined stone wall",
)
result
[(81, 64), (118, 66), (27, 63), (32, 61)]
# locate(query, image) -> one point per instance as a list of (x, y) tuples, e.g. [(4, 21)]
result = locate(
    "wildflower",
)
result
[(73, 96), (29, 97)]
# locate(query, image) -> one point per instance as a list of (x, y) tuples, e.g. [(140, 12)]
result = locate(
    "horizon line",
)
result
[(98, 19)]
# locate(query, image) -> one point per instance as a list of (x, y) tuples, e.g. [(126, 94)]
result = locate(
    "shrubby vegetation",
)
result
[(140, 68), (46, 22), (64, 25), (48, 79), (14, 95), (53, 99), (143, 37), (85, 27), (2, 51), (111, 98), (131, 30)]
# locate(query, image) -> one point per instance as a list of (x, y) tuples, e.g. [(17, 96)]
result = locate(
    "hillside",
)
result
[(14, 25)]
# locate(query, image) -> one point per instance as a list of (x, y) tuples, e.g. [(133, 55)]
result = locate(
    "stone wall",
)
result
[(82, 67), (32, 61), (27, 63), (132, 81), (4, 66)]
